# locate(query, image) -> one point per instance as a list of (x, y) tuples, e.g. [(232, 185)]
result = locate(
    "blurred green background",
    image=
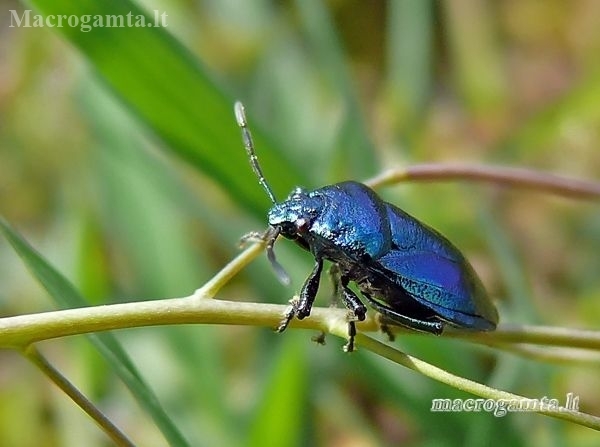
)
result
[(121, 162)]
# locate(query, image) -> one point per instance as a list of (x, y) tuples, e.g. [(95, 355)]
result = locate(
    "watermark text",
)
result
[(500, 407), (86, 22)]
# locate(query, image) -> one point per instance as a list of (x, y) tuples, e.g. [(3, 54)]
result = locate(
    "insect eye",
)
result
[(301, 225), (288, 229)]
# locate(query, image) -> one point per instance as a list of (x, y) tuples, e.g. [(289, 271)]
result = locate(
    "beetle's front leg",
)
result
[(334, 274), (288, 316), (309, 290), (301, 308)]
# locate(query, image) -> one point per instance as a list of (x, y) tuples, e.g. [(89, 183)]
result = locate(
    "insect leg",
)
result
[(335, 275), (351, 301), (357, 309), (309, 290), (301, 307), (433, 327), (288, 316), (349, 346)]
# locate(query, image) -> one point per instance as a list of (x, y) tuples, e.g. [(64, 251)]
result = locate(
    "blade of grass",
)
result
[(515, 280), (358, 151), (136, 193), (279, 417), (65, 295), (174, 95), (409, 60), (558, 124), (472, 33)]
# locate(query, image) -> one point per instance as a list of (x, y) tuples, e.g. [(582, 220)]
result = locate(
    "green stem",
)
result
[(551, 354), (212, 287), (466, 385), (70, 390), (537, 335), (22, 330)]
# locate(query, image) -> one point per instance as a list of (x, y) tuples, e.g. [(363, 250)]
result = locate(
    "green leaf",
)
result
[(555, 124), (279, 417), (409, 50), (476, 57), (355, 157), (162, 83), (66, 296)]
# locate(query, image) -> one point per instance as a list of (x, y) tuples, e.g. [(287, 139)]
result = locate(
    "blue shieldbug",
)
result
[(406, 270)]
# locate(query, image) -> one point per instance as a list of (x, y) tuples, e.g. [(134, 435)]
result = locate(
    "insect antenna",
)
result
[(272, 233), (240, 117)]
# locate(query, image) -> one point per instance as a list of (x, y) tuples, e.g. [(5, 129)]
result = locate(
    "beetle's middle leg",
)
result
[(352, 302)]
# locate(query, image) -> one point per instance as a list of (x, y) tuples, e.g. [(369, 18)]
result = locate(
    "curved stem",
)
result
[(469, 385), (500, 175), (22, 330), (233, 267)]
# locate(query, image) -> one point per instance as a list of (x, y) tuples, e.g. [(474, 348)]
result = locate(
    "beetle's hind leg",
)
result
[(420, 321)]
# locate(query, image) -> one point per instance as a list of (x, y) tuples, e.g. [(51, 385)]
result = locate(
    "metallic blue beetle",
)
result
[(406, 270)]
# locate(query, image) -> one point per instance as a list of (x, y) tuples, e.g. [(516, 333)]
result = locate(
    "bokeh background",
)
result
[(113, 197)]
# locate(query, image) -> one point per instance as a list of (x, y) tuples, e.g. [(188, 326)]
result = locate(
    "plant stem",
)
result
[(212, 287), (537, 335), (551, 354), (467, 385), (507, 176), (23, 330)]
